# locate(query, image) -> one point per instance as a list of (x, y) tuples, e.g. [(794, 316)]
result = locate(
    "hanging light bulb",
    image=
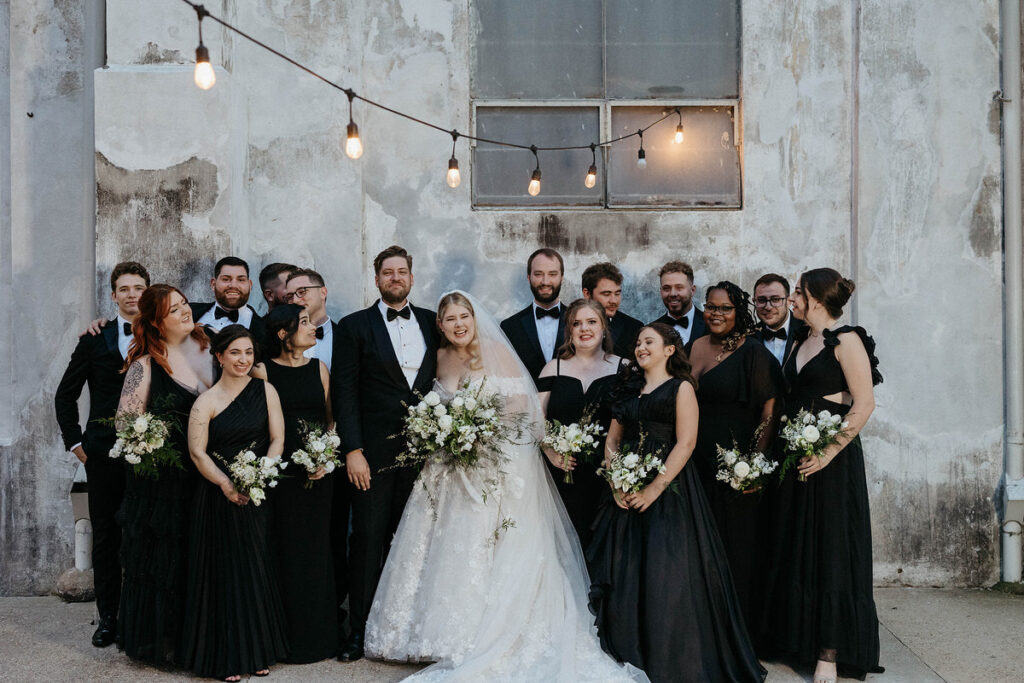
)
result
[(453, 178), (679, 129), (641, 155), (204, 75), (534, 186), (353, 145), (591, 178)]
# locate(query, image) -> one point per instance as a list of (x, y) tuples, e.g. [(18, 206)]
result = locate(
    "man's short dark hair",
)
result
[(550, 253), (393, 250), (127, 268), (769, 278), (601, 271), (272, 271), (676, 267), (230, 261), (313, 276)]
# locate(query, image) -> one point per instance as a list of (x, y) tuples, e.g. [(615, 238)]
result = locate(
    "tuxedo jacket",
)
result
[(624, 329), (368, 387), (521, 330), (699, 328), (96, 362), (795, 325), (257, 326)]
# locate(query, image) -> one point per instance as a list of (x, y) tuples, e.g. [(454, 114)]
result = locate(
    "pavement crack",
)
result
[(911, 651)]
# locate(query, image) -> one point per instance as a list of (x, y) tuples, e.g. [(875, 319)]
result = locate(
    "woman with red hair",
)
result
[(167, 368)]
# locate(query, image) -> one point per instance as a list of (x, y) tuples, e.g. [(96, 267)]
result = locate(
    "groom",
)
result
[(384, 353)]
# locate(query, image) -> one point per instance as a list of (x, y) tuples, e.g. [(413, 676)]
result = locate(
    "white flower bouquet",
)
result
[(744, 472), (630, 472), (808, 435), (319, 449), (144, 444), (579, 440), (253, 475)]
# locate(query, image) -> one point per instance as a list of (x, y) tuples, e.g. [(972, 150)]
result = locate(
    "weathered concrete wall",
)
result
[(868, 144)]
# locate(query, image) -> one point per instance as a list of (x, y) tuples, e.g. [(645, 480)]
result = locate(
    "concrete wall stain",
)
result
[(985, 231)]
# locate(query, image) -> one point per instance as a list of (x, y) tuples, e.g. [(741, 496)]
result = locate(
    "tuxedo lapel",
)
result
[(383, 342), (529, 323), (110, 337)]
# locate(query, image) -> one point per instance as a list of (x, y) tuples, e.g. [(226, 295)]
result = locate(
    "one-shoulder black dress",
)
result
[(154, 519), (660, 583), (567, 403), (301, 522), (731, 395), (820, 592), (234, 620)]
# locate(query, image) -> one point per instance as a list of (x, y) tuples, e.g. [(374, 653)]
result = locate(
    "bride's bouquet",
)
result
[(253, 475), (808, 435), (579, 440), (319, 449), (143, 443), (630, 472)]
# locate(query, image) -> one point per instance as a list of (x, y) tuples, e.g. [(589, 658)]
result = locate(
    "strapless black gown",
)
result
[(301, 523), (154, 536), (819, 595), (234, 620), (661, 587)]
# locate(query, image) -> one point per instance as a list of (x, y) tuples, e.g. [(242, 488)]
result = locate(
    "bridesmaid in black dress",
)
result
[(819, 604), (661, 587), (167, 368), (234, 620), (575, 383), (301, 522), (738, 383)]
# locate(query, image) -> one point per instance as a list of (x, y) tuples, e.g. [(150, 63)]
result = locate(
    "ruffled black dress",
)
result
[(301, 522), (154, 518), (234, 620), (661, 588), (820, 592), (731, 395), (567, 403)]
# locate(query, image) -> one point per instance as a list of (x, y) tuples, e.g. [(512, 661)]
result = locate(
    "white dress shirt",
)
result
[(407, 340), (684, 332), (547, 331), (323, 350), (778, 346), (217, 324), (123, 340)]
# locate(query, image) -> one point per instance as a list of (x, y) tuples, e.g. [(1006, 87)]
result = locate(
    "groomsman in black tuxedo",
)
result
[(677, 290), (384, 354), (273, 279), (539, 329), (778, 326), (96, 362), (602, 282), (231, 286)]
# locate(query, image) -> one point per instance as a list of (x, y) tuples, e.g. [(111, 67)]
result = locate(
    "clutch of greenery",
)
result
[(808, 435), (578, 439), (319, 449), (252, 475), (144, 443), (628, 471)]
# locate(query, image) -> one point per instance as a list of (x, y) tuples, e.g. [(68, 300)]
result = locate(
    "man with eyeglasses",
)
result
[(771, 303), (306, 288)]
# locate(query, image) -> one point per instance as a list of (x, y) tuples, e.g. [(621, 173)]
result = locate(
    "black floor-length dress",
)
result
[(731, 395), (820, 590), (301, 522), (567, 403), (234, 620), (154, 519), (661, 588)]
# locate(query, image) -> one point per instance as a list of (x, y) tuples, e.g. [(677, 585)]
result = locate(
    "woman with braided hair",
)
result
[(739, 384)]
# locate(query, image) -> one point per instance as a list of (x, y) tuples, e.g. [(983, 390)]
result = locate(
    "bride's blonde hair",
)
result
[(458, 299)]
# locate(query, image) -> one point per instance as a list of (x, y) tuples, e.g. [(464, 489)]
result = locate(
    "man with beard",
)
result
[(771, 303), (273, 278), (539, 329), (96, 363), (677, 290), (602, 282), (384, 356), (231, 285)]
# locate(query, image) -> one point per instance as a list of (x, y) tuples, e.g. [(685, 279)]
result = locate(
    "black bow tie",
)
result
[(775, 334), (127, 329), (552, 312), (219, 313), (683, 322), (320, 332), (404, 313)]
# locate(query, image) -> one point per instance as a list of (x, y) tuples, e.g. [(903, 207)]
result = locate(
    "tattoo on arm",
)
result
[(132, 398)]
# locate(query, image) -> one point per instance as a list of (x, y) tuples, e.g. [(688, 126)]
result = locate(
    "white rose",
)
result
[(445, 422), (631, 460), (824, 416), (811, 434), (730, 458), (808, 418), (422, 408), (140, 424), (317, 445), (440, 410), (334, 440), (329, 466), (248, 456), (432, 399), (457, 402), (588, 439), (741, 469), (470, 403), (132, 459)]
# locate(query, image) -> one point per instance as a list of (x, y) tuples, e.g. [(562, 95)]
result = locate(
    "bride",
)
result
[(485, 576)]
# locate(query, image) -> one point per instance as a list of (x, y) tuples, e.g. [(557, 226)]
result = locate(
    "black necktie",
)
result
[(320, 332), (683, 322), (404, 313), (550, 312), (219, 313), (774, 334), (127, 329)]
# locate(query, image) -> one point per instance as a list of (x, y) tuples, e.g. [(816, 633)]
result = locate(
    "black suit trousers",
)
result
[(106, 489), (375, 517), (341, 505)]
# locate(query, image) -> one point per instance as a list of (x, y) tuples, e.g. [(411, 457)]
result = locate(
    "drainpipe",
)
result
[(1013, 304)]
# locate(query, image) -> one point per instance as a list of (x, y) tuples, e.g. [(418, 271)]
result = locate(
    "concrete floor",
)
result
[(927, 635)]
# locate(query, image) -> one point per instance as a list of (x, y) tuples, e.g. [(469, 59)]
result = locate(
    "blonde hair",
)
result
[(459, 299)]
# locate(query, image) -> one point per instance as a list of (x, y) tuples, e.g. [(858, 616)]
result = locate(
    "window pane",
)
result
[(703, 171), (673, 48), (501, 174), (538, 50)]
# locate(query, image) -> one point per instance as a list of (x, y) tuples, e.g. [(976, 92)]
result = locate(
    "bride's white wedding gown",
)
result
[(486, 577)]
